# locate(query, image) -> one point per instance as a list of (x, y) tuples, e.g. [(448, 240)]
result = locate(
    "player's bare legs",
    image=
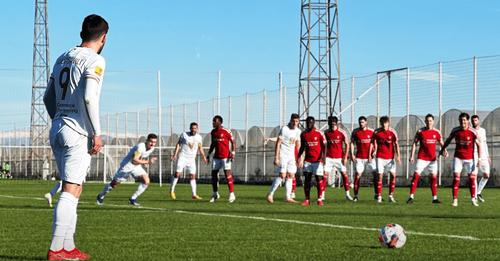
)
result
[(175, 179)]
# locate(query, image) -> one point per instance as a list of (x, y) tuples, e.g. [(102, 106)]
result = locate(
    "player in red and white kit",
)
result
[(427, 137), (385, 147), (336, 154), (223, 144), (313, 143), (361, 139), (465, 139)]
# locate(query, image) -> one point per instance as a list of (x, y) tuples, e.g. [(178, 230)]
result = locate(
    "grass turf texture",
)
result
[(161, 231)]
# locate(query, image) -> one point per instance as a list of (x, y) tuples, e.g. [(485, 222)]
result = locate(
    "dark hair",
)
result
[(333, 119), (474, 117), (93, 27), (362, 118), (294, 116), (310, 118), (152, 136), (463, 115), (383, 120), (218, 117), (429, 116), (193, 124)]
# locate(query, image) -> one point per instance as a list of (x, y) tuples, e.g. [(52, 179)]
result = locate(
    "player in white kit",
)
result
[(284, 158), (131, 165), (189, 144), (72, 102), (485, 160)]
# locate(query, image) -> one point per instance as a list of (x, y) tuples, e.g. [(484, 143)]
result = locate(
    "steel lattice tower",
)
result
[(319, 65), (41, 73)]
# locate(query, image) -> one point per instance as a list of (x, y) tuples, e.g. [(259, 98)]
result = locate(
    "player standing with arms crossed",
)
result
[(361, 139), (427, 137), (485, 160), (72, 102), (284, 158), (385, 147), (223, 144), (336, 154), (189, 144), (313, 143), (465, 139)]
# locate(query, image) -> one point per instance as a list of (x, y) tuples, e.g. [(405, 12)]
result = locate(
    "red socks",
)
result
[(392, 185), (472, 184), (345, 180), (456, 184), (294, 185), (230, 184), (414, 183), (379, 186), (434, 185), (356, 184)]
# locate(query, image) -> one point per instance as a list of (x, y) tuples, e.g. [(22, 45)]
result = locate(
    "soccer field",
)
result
[(250, 228)]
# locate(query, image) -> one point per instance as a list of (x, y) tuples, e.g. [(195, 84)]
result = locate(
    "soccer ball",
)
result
[(392, 236)]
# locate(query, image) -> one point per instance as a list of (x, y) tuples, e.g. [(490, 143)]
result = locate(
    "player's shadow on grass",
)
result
[(8, 257)]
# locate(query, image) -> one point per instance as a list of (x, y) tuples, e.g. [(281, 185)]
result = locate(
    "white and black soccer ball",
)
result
[(392, 236)]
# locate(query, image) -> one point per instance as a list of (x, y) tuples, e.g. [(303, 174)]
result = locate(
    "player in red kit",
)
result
[(360, 139), (223, 144), (385, 147), (465, 139), (313, 143), (427, 137), (337, 153)]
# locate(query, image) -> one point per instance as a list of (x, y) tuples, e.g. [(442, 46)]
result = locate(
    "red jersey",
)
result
[(428, 140), (385, 140), (464, 142), (221, 138), (334, 143), (362, 138), (313, 142)]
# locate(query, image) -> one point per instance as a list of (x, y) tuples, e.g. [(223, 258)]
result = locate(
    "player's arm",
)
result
[(446, 143), (177, 148), (92, 96), (351, 149), (373, 149), (323, 148), (397, 151), (202, 152), (211, 149), (302, 148), (273, 139), (49, 98), (347, 149), (414, 148), (136, 160), (479, 152), (233, 146), (277, 149)]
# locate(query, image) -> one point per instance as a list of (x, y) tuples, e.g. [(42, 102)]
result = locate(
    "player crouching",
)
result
[(131, 165)]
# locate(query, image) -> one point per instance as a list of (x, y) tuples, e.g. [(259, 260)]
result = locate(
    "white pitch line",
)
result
[(290, 221)]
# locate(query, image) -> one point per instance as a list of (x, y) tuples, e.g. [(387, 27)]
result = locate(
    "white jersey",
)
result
[(481, 136), (139, 149), (68, 77), (288, 139), (189, 145)]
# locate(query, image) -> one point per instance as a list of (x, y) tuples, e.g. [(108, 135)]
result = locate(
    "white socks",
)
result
[(193, 186), (275, 185), (64, 223), (288, 188), (56, 188), (142, 187), (482, 184), (174, 183), (107, 188)]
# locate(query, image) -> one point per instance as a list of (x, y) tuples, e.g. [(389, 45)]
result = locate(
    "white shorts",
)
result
[(188, 164), (287, 165), (315, 168), (123, 175), (430, 166), (224, 164), (71, 152), (364, 164), (484, 166), (459, 164), (331, 164), (385, 165)]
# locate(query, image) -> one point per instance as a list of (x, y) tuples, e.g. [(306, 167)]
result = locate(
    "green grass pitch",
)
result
[(250, 228)]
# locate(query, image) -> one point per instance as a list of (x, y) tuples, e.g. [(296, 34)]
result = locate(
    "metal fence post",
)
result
[(246, 136), (160, 143), (280, 86), (229, 113), (218, 91), (107, 130), (264, 108), (171, 136), (407, 122), (440, 105), (378, 98), (137, 126), (116, 129), (474, 94), (126, 126)]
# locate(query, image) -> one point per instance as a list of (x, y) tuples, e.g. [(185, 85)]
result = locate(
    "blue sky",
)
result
[(250, 41)]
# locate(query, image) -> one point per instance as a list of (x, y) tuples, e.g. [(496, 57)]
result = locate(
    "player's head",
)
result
[(332, 121), (429, 120), (385, 122), (151, 140), (362, 121), (94, 29), (217, 121), (294, 120), (193, 127), (310, 121), (463, 119), (474, 119)]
